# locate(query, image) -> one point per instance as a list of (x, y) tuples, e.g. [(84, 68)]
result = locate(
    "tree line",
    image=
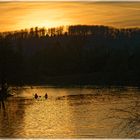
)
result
[(83, 30), (77, 54)]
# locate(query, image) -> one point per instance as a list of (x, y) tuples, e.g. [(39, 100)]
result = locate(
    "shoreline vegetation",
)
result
[(71, 55)]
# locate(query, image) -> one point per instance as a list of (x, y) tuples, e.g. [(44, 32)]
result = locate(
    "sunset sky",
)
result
[(21, 15)]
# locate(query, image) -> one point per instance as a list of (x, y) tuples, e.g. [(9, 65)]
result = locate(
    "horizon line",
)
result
[(65, 26)]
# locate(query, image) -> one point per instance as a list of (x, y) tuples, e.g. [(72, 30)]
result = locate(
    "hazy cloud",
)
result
[(17, 15)]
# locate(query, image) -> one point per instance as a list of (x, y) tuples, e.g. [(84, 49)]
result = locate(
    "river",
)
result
[(71, 112)]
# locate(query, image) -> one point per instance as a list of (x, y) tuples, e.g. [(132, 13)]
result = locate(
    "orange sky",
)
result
[(20, 15)]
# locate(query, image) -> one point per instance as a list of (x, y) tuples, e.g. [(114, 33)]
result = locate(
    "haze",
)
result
[(21, 15)]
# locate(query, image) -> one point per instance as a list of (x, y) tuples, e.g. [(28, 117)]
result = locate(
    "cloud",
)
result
[(18, 15)]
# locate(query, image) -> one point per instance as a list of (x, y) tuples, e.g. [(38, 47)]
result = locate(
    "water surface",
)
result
[(79, 112)]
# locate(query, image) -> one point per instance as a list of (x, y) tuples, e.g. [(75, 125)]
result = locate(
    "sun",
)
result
[(44, 18)]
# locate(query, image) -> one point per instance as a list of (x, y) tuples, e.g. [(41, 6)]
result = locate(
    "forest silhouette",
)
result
[(75, 54)]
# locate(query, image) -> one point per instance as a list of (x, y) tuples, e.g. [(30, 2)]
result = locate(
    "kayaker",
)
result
[(36, 96), (46, 96)]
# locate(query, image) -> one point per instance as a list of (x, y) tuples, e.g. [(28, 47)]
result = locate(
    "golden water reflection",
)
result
[(67, 113)]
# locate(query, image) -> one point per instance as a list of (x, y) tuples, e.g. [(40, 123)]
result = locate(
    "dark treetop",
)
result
[(80, 54)]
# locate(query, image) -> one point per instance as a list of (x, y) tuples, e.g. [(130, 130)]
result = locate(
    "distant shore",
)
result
[(82, 55)]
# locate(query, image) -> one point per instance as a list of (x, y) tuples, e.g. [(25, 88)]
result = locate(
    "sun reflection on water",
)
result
[(67, 113)]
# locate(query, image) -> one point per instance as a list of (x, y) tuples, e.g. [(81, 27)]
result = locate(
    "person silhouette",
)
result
[(46, 96), (36, 96)]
